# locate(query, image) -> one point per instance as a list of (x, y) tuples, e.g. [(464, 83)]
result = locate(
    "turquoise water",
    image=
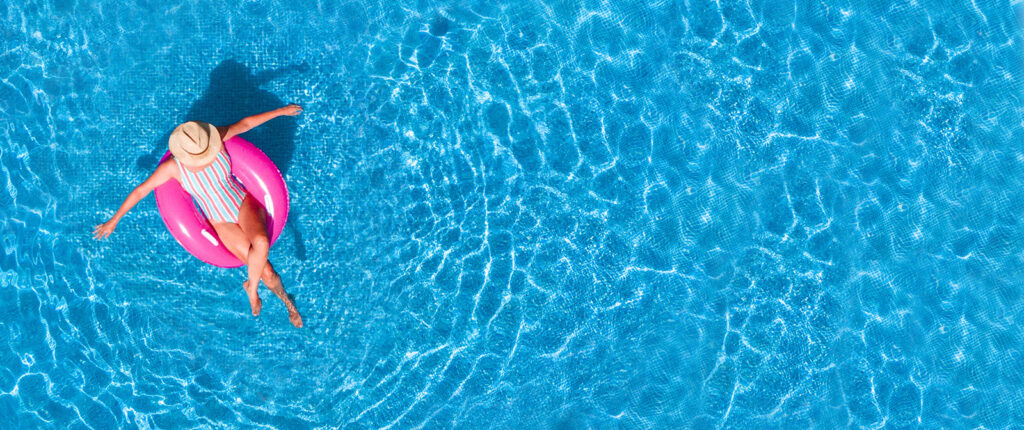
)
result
[(564, 214)]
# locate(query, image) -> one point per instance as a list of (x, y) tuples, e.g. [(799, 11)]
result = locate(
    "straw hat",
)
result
[(195, 143)]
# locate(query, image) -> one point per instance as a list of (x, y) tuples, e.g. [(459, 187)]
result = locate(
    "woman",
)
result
[(203, 168)]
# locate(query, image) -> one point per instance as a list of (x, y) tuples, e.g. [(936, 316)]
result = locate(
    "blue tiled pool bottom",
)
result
[(565, 214)]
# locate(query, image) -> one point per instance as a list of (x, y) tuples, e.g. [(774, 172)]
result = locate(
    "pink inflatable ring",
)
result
[(190, 227)]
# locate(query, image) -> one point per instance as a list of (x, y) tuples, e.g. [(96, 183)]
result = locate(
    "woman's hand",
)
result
[(104, 230), (291, 110)]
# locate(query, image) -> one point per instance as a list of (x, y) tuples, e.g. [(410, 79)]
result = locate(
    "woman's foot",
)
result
[(294, 317), (275, 285), (252, 290)]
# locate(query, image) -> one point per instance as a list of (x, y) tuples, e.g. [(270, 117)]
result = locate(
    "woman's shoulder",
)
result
[(169, 167)]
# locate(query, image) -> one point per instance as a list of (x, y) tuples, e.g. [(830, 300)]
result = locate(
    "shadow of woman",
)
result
[(234, 93)]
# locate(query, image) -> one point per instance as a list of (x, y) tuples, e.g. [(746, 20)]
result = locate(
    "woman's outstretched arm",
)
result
[(251, 122), (163, 173)]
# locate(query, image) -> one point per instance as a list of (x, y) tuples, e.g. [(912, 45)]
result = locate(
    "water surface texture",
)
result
[(560, 214)]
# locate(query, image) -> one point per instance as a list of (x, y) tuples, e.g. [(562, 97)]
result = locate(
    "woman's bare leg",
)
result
[(273, 282), (238, 244), (252, 219)]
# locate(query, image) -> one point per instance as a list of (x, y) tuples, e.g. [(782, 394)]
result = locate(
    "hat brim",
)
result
[(216, 144)]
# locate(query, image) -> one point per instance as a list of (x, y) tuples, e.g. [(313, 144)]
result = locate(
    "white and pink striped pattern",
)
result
[(215, 189)]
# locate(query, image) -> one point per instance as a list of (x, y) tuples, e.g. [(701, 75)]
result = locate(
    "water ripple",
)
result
[(562, 214)]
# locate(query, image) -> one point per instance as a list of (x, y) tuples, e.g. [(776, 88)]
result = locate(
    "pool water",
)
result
[(561, 214)]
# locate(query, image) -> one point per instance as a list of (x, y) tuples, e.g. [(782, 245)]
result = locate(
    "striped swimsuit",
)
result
[(215, 189)]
